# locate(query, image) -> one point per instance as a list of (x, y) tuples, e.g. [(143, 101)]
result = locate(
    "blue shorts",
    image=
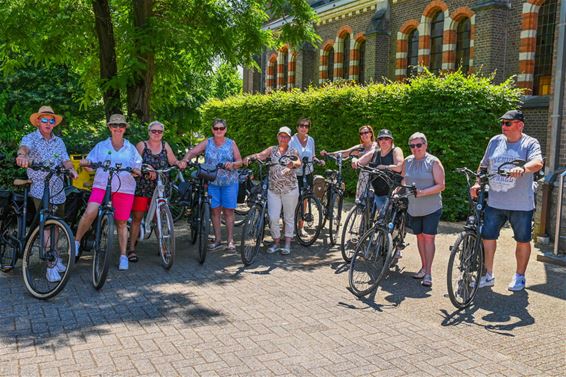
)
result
[(223, 196), (494, 219), (425, 224)]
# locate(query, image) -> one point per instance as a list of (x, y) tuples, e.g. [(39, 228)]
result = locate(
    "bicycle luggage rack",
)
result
[(557, 236)]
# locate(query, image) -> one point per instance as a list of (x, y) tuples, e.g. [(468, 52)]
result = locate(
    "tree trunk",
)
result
[(107, 55), (139, 92)]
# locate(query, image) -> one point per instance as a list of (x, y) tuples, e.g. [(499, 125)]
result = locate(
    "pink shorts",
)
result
[(121, 202), (141, 204)]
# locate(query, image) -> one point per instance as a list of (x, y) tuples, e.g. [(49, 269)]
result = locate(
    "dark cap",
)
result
[(513, 115), (385, 133)]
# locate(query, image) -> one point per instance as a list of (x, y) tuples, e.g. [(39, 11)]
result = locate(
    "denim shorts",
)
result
[(494, 219), (427, 224), (223, 196)]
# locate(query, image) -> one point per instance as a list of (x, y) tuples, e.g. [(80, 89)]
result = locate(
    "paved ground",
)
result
[(284, 316)]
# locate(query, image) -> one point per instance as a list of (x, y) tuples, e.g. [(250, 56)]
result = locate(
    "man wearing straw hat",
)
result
[(43, 146)]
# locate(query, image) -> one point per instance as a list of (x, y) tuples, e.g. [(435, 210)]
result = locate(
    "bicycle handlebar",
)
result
[(106, 167), (148, 168)]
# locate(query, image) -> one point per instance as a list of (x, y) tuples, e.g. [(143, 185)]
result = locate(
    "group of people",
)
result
[(509, 199)]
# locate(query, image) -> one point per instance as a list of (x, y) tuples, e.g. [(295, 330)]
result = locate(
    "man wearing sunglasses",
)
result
[(510, 198), (42, 146)]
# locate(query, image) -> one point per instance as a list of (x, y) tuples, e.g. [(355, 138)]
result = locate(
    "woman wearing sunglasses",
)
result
[(117, 150), (223, 190), (427, 173), (159, 155)]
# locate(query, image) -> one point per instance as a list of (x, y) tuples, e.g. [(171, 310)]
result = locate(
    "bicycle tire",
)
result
[(34, 268), (194, 221), (352, 231), (370, 261), (166, 236), (311, 217), (104, 242), (335, 217), (9, 241), (252, 234), (177, 210), (204, 229), (464, 269), (398, 235)]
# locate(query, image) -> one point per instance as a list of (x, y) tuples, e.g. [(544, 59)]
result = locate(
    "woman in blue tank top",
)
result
[(223, 190)]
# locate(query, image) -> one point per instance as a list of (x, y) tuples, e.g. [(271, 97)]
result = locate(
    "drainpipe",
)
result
[(555, 118)]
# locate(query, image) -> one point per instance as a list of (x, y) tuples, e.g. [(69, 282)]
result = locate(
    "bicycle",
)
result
[(375, 252), (159, 218), (465, 263), (180, 197), (308, 214), (333, 197), (104, 226), (48, 243), (253, 231)]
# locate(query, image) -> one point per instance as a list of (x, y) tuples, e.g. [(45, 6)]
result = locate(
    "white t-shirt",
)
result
[(306, 151)]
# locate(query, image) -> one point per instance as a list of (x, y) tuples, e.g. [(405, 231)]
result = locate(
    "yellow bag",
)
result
[(85, 179)]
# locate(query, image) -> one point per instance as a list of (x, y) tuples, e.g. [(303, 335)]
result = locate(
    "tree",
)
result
[(145, 46)]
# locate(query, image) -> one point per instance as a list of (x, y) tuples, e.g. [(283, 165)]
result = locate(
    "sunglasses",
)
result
[(156, 132), (507, 123), (418, 145), (47, 120), (304, 125), (218, 128), (365, 133), (120, 125)]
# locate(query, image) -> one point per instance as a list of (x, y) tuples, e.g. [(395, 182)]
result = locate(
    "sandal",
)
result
[(132, 256), (231, 246), (419, 275)]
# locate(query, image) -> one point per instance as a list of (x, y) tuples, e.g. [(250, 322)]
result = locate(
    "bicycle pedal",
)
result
[(402, 246)]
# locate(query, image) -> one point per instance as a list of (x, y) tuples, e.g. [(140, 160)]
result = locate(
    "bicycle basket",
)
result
[(319, 186), (208, 173)]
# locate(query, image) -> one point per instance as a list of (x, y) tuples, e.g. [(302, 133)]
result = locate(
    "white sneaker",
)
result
[(215, 246), (77, 247), (487, 281), (286, 250), (52, 275), (123, 266), (517, 283), (272, 249), (60, 266)]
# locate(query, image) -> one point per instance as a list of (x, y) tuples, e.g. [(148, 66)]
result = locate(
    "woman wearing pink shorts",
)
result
[(118, 150)]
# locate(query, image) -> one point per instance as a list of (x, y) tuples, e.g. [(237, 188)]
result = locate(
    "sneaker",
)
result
[(517, 283), (272, 249), (214, 246), (419, 275), (77, 247), (286, 250), (52, 275), (486, 281), (427, 281), (59, 266), (123, 266)]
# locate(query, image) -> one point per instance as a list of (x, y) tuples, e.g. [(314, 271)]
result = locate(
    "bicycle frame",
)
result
[(158, 199)]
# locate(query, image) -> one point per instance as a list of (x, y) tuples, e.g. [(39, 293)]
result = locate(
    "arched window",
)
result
[(346, 59), (436, 35), (544, 48), (463, 45), (330, 67), (412, 53), (362, 62)]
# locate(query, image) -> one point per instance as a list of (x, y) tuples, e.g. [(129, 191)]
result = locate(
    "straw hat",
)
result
[(117, 119), (44, 110)]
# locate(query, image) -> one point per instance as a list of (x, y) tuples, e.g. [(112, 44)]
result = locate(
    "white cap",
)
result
[(285, 130)]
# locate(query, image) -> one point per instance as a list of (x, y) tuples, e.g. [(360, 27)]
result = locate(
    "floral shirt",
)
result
[(281, 179), (51, 151)]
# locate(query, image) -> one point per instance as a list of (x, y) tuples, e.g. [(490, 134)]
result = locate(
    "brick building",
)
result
[(376, 40)]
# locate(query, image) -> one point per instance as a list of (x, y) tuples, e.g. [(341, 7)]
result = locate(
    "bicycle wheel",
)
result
[(166, 236), (177, 210), (370, 261), (252, 234), (204, 229), (46, 268), (398, 235), (308, 219), (354, 227), (240, 213), (335, 217), (9, 241), (103, 245), (464, 269), (194, 221)]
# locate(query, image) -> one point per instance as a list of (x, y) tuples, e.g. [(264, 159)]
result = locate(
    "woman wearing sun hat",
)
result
[(118, 150), (42, 146), (159, 155), (283, 189)]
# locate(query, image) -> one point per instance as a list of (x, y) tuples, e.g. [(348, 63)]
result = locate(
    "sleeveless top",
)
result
[(419, 172), (146, 186), (380, 187), (281, 181), (214, 155)]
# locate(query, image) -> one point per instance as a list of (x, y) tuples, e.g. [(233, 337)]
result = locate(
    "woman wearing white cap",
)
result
[(283, 189), (159, 155)]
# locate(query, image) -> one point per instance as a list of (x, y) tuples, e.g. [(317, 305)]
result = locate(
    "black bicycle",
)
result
[(253, 230), (333, 197), (104, 227), (378, 247), (309, 212), (48, 245), (465, 264)]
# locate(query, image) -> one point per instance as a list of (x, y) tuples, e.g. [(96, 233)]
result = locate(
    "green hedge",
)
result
[(457, 113)]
